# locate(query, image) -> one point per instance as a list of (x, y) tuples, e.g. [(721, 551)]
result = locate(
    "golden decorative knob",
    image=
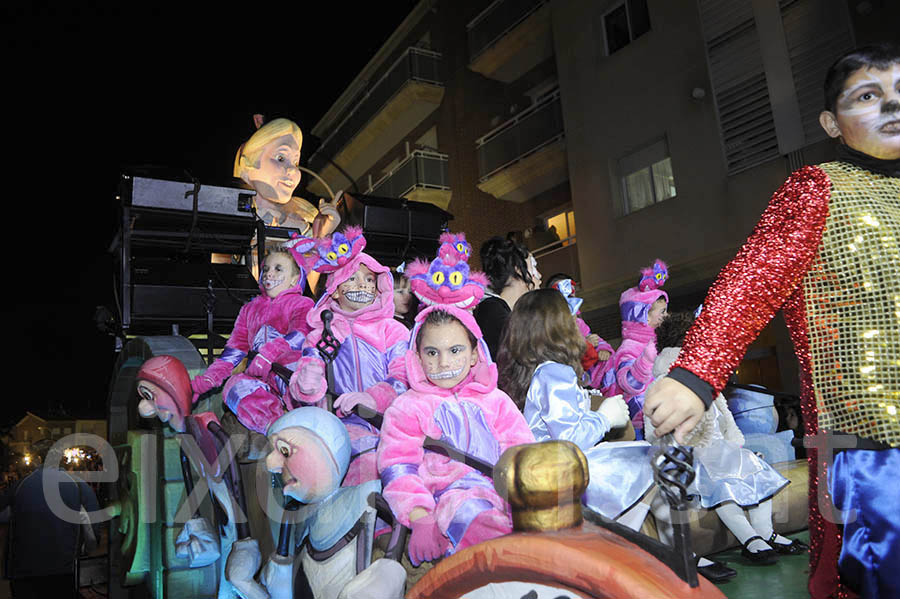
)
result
[(543, 483)]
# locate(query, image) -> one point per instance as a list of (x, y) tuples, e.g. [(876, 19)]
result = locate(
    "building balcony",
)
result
[(509, 38), (422, 176), (559, 256), (525, 155), (383, 115)]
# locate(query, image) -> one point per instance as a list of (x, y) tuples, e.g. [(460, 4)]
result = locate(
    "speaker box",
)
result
[(396, 228)]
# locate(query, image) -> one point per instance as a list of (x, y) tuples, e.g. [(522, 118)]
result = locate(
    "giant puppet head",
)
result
[(268, 160), (311, 452), (447, 279), (164, 385)]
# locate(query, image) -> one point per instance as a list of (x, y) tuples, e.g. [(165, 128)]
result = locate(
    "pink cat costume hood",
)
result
[(474, 416), (629, 370)]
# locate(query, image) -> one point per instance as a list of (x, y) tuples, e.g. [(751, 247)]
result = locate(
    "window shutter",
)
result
[(816, 32), (739, 85)]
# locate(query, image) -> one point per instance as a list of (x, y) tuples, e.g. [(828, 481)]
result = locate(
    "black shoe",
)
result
[(716, 571), (766, 557), (795, 548)]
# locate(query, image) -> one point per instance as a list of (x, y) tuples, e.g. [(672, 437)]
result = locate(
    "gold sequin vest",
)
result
[(852, 294)]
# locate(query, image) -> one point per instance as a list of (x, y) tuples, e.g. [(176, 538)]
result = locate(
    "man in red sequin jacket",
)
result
[(826, 252)]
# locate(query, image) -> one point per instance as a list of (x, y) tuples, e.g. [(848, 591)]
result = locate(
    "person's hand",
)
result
[(197, 542), (242, 564), (259, 367), (203, 383), (603, 355), (426, 542), (593, 339), (615, 411), (328, 218), (671, 406), (277, 576), (344, 404), (308, 378)]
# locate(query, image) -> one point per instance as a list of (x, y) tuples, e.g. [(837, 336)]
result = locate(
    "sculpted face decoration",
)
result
[(164, 388), (308, 469), (867, 113), (155, 401), (446, 353), (276, 176)]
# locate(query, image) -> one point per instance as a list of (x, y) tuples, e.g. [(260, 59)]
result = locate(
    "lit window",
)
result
[(646, 177), (563, 224), (625, 23)]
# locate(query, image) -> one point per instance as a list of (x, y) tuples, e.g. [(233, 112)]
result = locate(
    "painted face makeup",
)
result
[(277, 175), (534, 272), (308, 470), (446, 354), (657, 313), (278, 274), (358, 291), (867, 113)]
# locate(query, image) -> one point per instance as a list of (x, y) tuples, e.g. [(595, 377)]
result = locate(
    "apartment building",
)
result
[(607, 132)]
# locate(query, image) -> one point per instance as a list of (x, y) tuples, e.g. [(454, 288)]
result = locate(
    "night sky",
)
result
[(94, 92)]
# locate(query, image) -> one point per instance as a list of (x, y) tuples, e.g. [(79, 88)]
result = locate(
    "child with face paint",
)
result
[(825, 252), (368, 367), (273, 325), (453, 396)]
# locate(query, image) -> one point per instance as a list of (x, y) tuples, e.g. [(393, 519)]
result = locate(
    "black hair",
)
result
[(673, 328), (880, 56), (503, 259)]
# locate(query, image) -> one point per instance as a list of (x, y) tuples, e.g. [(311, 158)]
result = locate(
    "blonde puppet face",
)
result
[(277, 175)]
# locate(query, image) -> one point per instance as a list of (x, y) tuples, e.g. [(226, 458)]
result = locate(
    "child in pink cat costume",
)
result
[(630, 370), (273, 325), (453, 397), (368, 367)]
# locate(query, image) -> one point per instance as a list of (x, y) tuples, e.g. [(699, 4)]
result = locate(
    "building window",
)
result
[(563, 224), (625, 23), (646, 177)]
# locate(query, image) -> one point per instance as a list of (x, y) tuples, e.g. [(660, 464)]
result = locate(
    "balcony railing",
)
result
[(497, 20), (420, 170), (532, 129), (416, 64)]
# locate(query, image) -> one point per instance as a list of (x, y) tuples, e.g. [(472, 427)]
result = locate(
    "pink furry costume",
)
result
[(370, 359), (273, 328), (475, 417), (630, 370)]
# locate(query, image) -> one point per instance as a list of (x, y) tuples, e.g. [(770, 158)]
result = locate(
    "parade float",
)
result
[(206, 509)]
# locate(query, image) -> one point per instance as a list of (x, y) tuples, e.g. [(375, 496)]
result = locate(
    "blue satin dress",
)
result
[(863, 485), (556, 407)]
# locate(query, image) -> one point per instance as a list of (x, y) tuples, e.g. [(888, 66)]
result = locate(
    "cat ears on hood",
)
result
[(327, 254), (447, 280), (654, 277)]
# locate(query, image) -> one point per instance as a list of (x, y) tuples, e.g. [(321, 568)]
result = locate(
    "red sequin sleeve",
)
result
[(759, 280)]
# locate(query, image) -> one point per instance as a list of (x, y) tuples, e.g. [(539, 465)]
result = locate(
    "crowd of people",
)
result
[(488, 361)]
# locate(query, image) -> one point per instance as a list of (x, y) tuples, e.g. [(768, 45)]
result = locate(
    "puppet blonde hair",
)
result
[(250, 151)]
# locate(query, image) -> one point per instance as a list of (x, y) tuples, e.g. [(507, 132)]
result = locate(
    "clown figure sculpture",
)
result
[(311, 453)]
